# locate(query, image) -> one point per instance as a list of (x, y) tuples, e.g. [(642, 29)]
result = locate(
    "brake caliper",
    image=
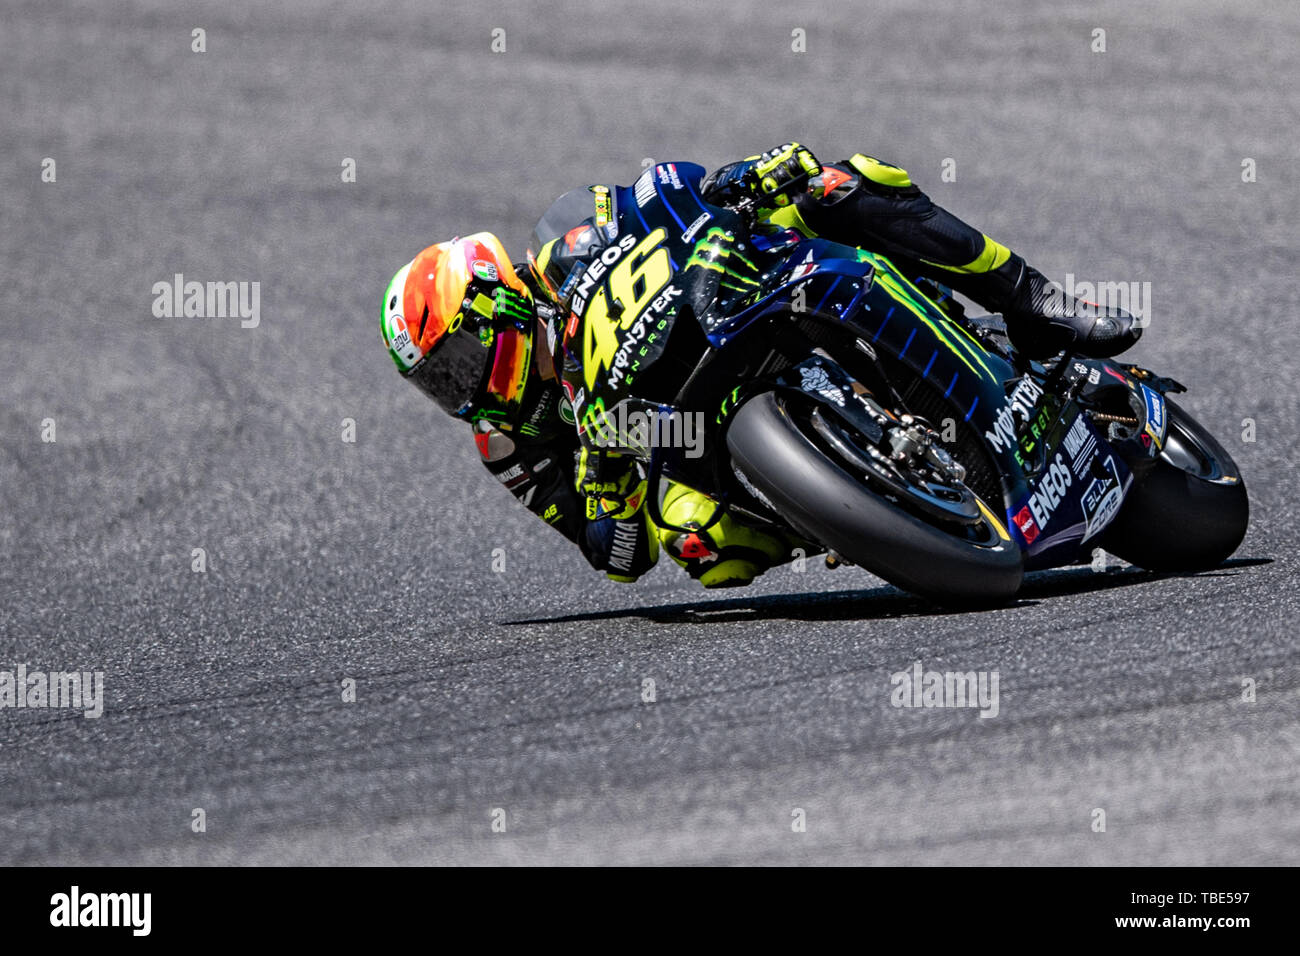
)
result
[(912, 442)]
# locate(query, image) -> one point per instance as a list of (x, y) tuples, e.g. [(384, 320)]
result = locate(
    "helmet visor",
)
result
[(453, 374), (452, 371)]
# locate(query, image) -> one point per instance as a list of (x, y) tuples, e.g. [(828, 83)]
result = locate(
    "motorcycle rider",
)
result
[(480, 336)]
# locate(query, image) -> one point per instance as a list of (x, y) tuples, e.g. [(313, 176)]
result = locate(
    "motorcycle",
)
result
[(854, 408)]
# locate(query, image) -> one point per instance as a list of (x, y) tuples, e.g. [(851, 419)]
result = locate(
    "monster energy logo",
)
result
[(714, 253), (952, 335)]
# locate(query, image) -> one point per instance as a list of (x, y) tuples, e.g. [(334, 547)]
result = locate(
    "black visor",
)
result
[(453, 370)]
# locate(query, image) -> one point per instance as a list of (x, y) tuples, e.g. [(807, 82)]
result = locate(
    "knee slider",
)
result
[(883, 174)]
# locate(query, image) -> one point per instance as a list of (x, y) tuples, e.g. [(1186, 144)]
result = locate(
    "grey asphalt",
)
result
[(373, 560)]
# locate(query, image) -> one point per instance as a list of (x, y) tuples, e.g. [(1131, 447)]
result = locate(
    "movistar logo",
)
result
[(1019, 407)]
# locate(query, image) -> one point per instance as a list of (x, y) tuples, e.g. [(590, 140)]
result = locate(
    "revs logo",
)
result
[(1050, 492), (1081, 444), (1025, 522)]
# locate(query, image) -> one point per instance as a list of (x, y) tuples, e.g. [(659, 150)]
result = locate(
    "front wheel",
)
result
[(780, 452), (1190, 513)]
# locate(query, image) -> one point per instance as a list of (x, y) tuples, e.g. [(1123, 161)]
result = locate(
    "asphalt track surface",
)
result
[(373, 560)]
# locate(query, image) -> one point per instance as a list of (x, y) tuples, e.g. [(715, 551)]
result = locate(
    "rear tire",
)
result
[(1190, 513), (826, 503)]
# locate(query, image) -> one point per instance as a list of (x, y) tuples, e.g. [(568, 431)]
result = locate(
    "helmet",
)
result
[(444, 333)]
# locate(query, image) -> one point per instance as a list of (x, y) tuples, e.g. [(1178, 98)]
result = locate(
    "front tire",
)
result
[(826, 503), (1190, 513)]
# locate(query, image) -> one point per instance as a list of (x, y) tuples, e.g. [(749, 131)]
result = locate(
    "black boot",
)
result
[(1042, 320)]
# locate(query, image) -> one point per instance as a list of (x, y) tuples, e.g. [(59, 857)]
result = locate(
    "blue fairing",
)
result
[(1061, 505)]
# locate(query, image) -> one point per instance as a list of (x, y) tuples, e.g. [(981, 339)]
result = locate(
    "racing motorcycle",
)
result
[(862, 411)]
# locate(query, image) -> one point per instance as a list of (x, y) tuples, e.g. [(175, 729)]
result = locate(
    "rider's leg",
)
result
[(875, 205)]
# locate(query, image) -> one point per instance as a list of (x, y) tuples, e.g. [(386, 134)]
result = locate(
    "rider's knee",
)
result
[(724, 554), (880, 173), (860, 196)]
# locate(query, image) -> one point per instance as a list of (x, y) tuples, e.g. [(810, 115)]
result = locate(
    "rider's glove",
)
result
[(612, 484), (783, 170), (511, 306), (769, 178)]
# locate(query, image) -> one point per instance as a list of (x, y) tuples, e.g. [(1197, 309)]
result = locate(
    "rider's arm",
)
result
[(616, 541), (618, 535), (864, 202), (772, 179), (538, 476)]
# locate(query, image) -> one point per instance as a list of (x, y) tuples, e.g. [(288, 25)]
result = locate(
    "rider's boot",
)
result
[(1042, 319)]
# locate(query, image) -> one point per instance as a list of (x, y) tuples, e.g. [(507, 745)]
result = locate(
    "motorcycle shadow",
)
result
[(886, 602)]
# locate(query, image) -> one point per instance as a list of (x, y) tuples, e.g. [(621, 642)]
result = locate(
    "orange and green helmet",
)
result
[(445, 334)]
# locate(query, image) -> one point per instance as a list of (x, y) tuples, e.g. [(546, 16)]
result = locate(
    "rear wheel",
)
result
[(936, 540), (1190, 513)]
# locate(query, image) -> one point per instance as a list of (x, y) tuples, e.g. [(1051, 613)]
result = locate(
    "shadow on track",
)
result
[(882, 603)]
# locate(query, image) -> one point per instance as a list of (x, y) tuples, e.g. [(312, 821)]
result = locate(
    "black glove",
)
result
[(770, 178), (782, 171), (612, 484)]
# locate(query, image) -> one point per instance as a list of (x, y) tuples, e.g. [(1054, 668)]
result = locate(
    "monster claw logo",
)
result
[(717, 252)]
